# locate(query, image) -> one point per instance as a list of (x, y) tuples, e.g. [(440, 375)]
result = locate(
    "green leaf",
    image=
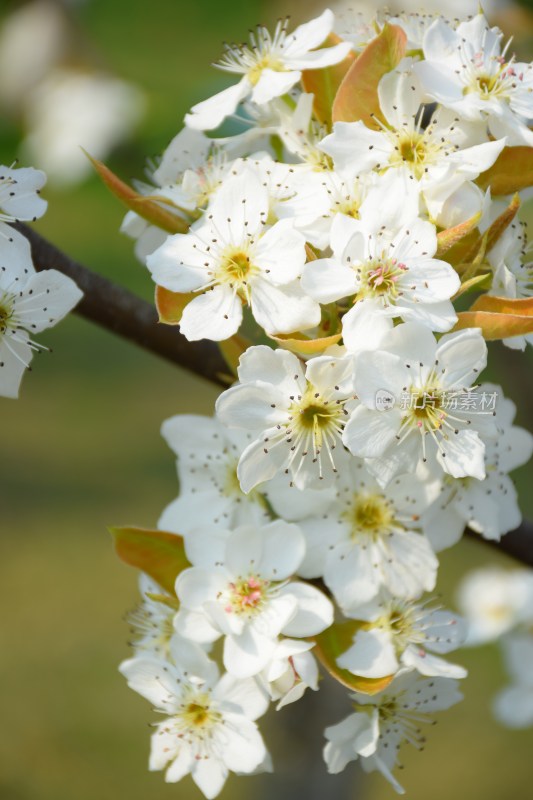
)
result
[(357, 97), (159, 554), (334, 641), (452, 236), (323, 84), (511, 172), (149, 208)]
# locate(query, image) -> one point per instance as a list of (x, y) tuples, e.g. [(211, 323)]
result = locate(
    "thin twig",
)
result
[(125, 314)]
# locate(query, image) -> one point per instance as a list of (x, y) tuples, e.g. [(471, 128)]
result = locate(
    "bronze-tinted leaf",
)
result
[(170, 305), (159, 554), (149, 208), (357, 97), (495, 326), (511, 172), (452, 236), (306, 347), (324, 83)]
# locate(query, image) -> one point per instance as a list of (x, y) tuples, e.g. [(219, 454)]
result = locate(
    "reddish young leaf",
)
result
[(149, 208), (357, 97), (511, 172), (523, 307), (452, 236), (495, 326), (170, 305), (160, 555), (306, 347), (324, 83)]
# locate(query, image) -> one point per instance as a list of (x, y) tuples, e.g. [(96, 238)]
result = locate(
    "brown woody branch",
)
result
[(125, 314)]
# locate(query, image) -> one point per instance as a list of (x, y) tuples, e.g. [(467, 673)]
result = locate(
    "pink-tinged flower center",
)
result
[(246, 595), (380, 278)]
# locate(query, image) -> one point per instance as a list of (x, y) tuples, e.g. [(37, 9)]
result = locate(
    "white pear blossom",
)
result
[(30, 302), (209, 728), (210, 493), (420, 385), (271, 65), (318, 196), (293, 669), (387, 719), (510, 259), (415, 23), (152, 622), (438, 157), (396, 633), (184, 179), (513, 705), (20, 198), (468, 71), (247, 597), (494, 600), (489, 507), (394, 268), (297, 413), (369, 538), (231, 258)]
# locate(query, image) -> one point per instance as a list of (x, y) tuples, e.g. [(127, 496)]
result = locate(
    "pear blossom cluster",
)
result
[(327, 240), (30, 301)]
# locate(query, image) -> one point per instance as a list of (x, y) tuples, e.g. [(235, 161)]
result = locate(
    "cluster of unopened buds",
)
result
[(331, 240)]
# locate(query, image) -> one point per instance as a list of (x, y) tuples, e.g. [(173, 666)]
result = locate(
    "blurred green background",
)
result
[(81, 450)]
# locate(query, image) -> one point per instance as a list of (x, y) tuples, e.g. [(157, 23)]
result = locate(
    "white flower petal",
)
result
[(283, 309), (216, 315), (314, 613), (369, 433), (273, 84), (209, 774), (212, 112), (372, 655), (281, 253), (326, 280)]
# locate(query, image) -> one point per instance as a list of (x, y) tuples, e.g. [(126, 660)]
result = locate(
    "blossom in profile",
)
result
[(30, 302), (270, 66), (385, 720), (468, 71)]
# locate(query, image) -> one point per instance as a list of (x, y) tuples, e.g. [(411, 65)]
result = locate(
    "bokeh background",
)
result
[(81, 450)]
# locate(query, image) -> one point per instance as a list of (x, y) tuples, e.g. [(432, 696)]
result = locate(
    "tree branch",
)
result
[(127, 315), (121, 312)]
